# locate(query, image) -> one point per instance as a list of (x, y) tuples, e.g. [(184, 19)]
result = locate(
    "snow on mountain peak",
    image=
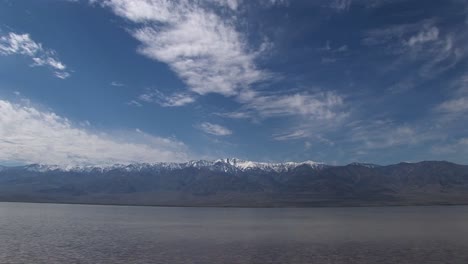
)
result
[(226, 165), (244, 165)]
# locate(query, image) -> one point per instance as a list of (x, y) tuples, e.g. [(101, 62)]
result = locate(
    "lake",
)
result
[(62, 233)]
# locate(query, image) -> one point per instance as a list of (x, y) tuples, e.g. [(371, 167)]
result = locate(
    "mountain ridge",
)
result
[(233, 182), (233, 162)]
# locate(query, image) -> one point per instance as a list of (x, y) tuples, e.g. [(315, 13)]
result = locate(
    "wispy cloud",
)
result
[(22, 44), (232, 4), (297, 134), (62, 75), (341, 5), (176, 99), (31, 135), (457, 103), (432, 131), (214, 129), (318, 106), (395, 35), (386, 134), (458, 147), (117, 84), (429, 48), (323, 105), (134, 103), (308, 114), (206, 51), (377, 3), (274, 2), (424, 36), (211, 56), (332, 54)]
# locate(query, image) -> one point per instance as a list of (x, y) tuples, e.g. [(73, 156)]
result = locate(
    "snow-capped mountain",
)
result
[(234, 182), (244, 165), (225, 165)]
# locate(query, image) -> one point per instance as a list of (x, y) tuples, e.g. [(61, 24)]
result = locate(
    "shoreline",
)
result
[(239, 206)]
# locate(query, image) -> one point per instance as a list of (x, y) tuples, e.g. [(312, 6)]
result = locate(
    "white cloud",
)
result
[(430, 50), (376, 3), (19, 44), (30, 135), (458, 105), (297, 134), (236, 115), (384, 134), (134, 103), (176, 99), (332, 54), (270, 3), (57, 65), (204, 50), (208, 53), (342, 48), (117, 84), (462, 84), (341, 5), (310, 114), (320, 106), (458, 147), (232, 4), (214, 129), (397, 35), (62, 75), (424, 36), (22, 44)]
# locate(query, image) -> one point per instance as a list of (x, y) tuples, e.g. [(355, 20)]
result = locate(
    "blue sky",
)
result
[(116, 81)]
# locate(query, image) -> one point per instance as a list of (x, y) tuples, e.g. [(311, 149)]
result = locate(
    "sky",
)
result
[(95, 82)]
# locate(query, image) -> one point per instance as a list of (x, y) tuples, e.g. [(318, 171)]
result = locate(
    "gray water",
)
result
[(60, 233)]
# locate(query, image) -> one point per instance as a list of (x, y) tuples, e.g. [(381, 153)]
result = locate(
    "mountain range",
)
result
[(234, 182)]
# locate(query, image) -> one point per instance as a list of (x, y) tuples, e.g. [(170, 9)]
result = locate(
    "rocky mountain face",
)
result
[(233, 182)]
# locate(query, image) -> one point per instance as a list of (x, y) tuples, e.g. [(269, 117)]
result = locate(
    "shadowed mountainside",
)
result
[(231, 183)]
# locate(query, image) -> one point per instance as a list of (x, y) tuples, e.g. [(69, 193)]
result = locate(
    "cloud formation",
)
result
[(424, 36), (210, 55), (30, 135), (117, 84), (457, 103), (321, 105), (313, 112), (341, 5), (214, 129), (421, 43), (22, 44), (176, 99), (203, 49), (457, 147)]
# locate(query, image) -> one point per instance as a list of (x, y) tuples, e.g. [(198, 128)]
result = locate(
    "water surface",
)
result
[(61, 233)]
